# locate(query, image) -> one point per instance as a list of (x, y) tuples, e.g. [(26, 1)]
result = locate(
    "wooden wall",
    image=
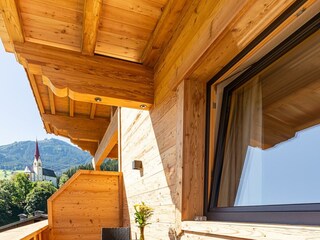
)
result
[(89, 201), (151, 138), (169, 139)]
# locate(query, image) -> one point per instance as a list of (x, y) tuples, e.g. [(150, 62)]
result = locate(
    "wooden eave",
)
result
[(83, 57)]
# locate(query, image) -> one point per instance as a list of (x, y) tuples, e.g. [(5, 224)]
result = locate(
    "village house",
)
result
[(211, 109)]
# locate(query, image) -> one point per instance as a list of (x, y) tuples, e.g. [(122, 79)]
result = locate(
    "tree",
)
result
[(9, 199), (63, 179), (23, 186), (38, 196)]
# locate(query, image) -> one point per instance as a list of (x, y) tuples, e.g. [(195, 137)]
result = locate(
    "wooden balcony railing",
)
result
[(35, 231)]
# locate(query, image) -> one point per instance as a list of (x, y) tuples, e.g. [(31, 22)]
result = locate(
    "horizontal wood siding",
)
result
[(89, 201), (151, 138)]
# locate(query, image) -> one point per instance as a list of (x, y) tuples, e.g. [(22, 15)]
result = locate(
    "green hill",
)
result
[(55, 154)]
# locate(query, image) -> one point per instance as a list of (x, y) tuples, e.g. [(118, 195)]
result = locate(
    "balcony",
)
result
[(89, 201)]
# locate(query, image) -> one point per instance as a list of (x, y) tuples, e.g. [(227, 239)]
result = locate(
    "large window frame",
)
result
[(308, 214)]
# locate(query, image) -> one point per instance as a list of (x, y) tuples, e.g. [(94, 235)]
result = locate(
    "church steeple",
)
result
[(37, 153), (37, 164)]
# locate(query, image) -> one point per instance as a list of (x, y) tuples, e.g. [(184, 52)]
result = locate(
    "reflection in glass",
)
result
[(272, 144)]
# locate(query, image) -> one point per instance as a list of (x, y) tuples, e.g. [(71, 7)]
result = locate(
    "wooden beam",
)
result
[(51, 101), (114, 152), (213, 32), (35, 91), (12, 21), (190, 146), (86, 78), (164, 30), (71, 107), (37, 96), (93, 110), (109, 140), (78, 128), (86, 146), (92, 10)]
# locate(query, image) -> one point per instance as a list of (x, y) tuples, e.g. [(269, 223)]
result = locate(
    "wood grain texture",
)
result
[(93, 110), (190, 145), (53, 23), (92, 10), (85, 129), (206, 32), (107, 143), (84, 78), (11, 18), (71, 107), (85, 204), (164, 30), (222, 230), (151, 138), (32, 231), (52, 102), (126, 27), (7, 43)]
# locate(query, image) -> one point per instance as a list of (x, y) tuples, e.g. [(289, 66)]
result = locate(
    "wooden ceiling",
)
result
[(83, 57), (114, 28)]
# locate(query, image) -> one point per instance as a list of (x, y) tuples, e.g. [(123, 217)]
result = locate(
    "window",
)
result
[(267, 158)]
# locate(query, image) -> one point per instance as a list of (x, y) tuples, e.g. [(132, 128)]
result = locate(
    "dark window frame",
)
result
[(308, 214)]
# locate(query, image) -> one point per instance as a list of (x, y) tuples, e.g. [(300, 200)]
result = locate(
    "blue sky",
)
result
[(19, 116)]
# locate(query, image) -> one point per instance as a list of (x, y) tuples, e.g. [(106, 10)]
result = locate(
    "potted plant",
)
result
[(141, 217)]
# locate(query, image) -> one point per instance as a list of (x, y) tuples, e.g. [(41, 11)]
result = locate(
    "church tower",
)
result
[(37, 165)]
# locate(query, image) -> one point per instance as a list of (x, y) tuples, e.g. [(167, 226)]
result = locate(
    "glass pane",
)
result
[(272, 144)]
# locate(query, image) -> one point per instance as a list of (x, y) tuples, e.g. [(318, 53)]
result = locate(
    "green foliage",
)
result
[(9, 197), (38, 196), (20, 195), (63, 179), (142, 214), (23, 186), (107, 165)]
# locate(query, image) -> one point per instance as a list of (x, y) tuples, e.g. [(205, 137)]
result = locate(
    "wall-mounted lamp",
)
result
[(137, 164)]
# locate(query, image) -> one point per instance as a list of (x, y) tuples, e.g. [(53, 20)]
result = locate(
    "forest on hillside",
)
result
[(55, 154)]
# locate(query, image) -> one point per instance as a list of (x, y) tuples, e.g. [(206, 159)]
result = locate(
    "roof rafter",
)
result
[(12, 20), (163, 31), (92, 10), (108, 142), (51, 101)]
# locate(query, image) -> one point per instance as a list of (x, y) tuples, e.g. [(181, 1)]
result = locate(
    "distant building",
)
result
[(37, 173)]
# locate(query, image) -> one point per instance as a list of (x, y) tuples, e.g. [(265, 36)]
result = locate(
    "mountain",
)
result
[(55, 154)]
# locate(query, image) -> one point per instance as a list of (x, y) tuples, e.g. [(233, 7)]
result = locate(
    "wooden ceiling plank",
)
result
[(93, 110), (52, 103), (12, 20), (85, 78), (109, 140), (71, 107), (92, 10), (163, 31), (213, 32)]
